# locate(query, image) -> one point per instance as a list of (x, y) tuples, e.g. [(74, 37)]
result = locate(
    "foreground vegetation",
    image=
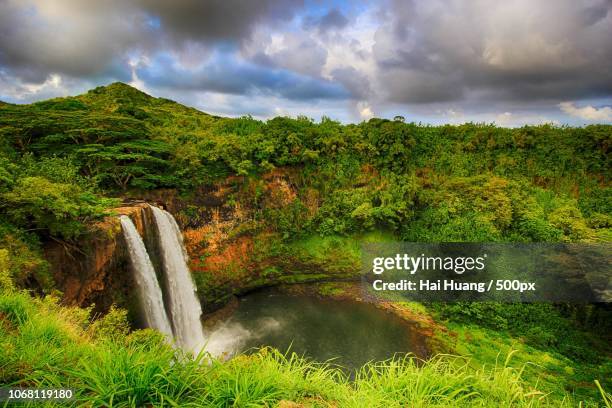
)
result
[(46, 345), (65, 163)]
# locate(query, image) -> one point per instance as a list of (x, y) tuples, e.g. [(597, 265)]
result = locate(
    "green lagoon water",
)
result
[(347, 333)]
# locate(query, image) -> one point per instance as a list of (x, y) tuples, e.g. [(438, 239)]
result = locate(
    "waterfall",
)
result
[(180, 291), (185, 308), (149, 292)]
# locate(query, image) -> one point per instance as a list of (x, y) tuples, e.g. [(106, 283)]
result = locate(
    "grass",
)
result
[(447, 381), (550, 369), (47, 345), (321, 247)]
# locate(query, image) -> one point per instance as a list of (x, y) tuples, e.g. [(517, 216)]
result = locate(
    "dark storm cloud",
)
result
[(592, 14), (199, 20), (70, 37), (522, 50), (225, 74), (83, 38)]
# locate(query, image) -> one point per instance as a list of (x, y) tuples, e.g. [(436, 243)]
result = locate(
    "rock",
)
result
[(96, 270)]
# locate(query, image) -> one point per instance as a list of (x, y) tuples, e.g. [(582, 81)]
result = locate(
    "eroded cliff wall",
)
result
[(96, 271)]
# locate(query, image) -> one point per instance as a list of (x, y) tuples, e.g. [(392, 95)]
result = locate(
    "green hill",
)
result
[(108, 123)]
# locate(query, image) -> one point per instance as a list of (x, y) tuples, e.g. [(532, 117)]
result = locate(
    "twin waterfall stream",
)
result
[(176, 311)]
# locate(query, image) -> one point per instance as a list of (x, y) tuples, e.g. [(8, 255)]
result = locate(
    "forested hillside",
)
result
[(481, 181)]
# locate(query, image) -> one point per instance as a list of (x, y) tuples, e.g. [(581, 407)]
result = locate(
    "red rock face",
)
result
[(97, 270)]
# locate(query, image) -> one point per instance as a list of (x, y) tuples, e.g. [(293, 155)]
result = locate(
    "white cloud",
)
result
[(343, 56), (365, 111), (588, 112), (135, 63), (15, 90), (509, 119), (504, 119)]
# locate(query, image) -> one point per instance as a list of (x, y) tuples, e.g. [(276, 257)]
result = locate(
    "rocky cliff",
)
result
[(96, 271)]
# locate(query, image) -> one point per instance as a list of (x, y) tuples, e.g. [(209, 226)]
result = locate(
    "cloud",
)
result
[(364, 110), (521, 57), (84, 38), (589, 113), (296, 51), (339, 52), (197, 20), (509, 119), (353, 80), (16, 90), (332, 20), (81, 39), (225, 73), (13, 89), (515, 51)]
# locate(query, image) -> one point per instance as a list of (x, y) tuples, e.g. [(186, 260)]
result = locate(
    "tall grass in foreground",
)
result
[(46, 345)]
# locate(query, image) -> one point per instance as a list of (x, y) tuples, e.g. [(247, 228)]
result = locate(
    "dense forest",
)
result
[(65, 163)]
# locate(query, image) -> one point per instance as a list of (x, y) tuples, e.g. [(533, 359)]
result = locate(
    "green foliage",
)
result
[(569, 220), (6, 281), (393, 142), (541, 325), (288, 221), (387, 203), (21, 259), (472, 182), (61, 104), (15, 307), (59, 208), (49, 195), (127, 139), (487, 208), (112, 326)]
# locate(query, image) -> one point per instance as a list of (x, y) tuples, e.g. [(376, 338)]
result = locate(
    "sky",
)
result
[(510, 62)]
